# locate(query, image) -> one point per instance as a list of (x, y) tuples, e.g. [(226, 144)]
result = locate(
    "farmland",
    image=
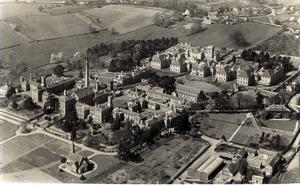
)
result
[(7, 130), (46, 27), (8, 37), (124, 18), (219, 34), (18, 9)]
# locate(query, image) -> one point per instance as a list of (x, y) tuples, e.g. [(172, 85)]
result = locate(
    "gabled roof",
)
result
[(268, 73)]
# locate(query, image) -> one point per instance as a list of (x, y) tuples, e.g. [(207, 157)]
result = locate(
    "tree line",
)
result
[(129, 53), (265, 60)]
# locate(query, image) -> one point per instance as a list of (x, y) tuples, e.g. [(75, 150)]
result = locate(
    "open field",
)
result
[(46, 27), (219, 37), (250, 134), (70, 9), (28, 158), (219, 34), (264, 19), (8, 36), (230, 3), (286, 125), (124, 18), (18, 9), (281, 44), (7, 130), (201, 85), (217, 125)]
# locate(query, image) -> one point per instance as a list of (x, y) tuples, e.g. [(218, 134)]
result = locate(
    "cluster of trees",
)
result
[(162, 19), (221, 101), (165, 82), (196, 28), (266, 60), (239, 39), (130, 51), (275, 142), (144, 48), (58, 70), (124, 63)]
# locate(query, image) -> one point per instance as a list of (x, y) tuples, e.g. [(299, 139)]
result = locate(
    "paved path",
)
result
[(237, 130)]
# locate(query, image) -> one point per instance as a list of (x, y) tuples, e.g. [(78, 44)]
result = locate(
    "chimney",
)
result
[(65, 93), (87, 73), (30, 76), (43, 81), (109, 101)]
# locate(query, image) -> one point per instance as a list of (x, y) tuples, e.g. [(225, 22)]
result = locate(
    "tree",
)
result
[(14, 104), (239, 39), (10, 91), (116, 124), (181, 123), (28, 104), (167, 83), (196, 28), (40, 8), (163, 20), (59, 70)]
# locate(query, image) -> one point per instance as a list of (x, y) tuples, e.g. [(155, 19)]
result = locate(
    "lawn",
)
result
[(201, 85), (46, 27), (124, 18), (8, 36), (261, 19), (7, 130), (286, 125), (218, 125), (249, 134)]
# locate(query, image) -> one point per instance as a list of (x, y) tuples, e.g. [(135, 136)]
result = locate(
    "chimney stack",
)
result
[(87, 73), (65, 93), (109, 101), (43, 81)]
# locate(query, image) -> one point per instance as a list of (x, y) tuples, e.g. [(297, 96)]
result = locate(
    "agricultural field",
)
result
[(29, 157), (220, 35), (18, 9), (241, 3), (47, 27), (8, 36), (124, 18), (70, 9), (7, 130), (281, 44)]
